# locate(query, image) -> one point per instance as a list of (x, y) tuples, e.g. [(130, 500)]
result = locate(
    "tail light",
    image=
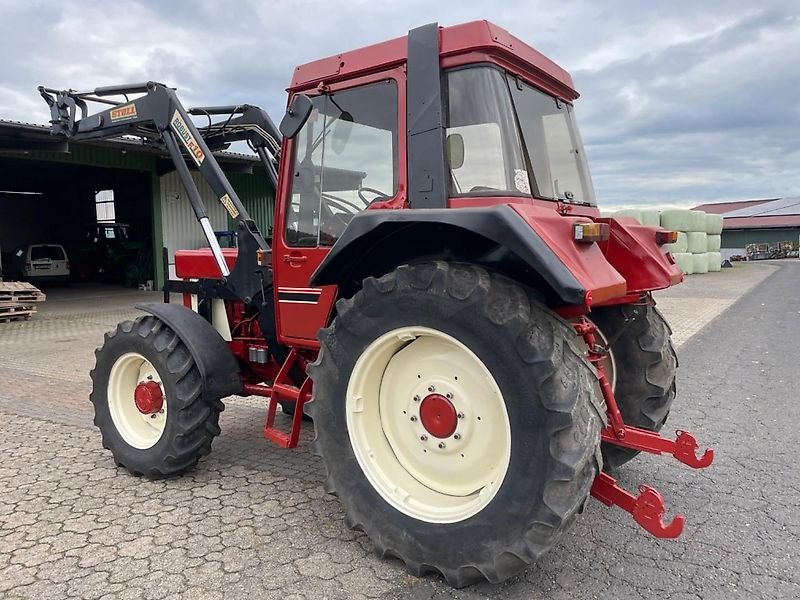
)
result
[(666, 237), (591, 232)]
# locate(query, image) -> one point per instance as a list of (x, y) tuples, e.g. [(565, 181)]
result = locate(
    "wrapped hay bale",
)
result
[(714, 262), (685, 262), (700, 262), (697, 242), (651, 217), (676, 219), (679, 247), (713, 224), (697, 221), (713, 242), (629, 212)]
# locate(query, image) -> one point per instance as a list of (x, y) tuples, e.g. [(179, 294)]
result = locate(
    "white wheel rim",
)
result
[(434, 479), (140, 430)]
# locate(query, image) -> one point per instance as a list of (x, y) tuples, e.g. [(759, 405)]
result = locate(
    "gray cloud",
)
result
[(682, 102)]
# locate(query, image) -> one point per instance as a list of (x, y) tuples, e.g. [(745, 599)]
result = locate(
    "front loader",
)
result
[(478, 349)]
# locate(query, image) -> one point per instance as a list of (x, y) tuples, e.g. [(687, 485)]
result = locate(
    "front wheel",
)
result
[(457, 420), (148, 399)]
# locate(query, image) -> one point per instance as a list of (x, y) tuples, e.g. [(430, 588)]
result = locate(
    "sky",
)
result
[(682, 102)]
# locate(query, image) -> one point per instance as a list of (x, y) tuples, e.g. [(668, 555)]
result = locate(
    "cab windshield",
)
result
[(501, 130)]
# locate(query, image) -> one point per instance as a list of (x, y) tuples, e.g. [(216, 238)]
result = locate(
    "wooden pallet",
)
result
[(20, 291), (15, 312), (18, 300)]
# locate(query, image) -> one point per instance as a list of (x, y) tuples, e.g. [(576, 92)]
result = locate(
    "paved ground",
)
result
[(253, 520)]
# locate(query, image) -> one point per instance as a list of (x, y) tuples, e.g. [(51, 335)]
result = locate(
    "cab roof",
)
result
[(476, 39)]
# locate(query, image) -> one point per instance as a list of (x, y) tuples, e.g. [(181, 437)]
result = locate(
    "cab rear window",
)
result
[(44, 252)]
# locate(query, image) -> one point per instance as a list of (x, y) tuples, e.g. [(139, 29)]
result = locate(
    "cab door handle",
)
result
[(294, 259)]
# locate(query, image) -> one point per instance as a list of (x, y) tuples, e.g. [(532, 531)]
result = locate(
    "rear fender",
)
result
[(633, 251), (498, 236), (216, 363)]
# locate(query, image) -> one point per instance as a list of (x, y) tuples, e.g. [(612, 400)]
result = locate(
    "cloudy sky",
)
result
[(681, 102)]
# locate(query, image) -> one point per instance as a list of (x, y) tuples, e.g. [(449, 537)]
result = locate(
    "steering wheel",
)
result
[(379, 195)]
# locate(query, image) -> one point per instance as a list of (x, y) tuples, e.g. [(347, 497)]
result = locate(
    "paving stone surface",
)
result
[(252, 521)]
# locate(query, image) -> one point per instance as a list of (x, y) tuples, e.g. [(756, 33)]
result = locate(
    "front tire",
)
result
[(483, 481), (148, 398)]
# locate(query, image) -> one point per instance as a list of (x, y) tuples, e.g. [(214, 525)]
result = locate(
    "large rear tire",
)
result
[(148, 399), (645, 367), (456, 419)]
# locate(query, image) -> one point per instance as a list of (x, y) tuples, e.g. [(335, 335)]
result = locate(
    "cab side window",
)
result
[(345, 159)]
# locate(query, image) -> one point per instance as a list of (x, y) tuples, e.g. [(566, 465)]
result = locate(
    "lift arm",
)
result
[(159, 117)]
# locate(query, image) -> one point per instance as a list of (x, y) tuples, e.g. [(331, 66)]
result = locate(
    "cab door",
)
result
[(343, 161)]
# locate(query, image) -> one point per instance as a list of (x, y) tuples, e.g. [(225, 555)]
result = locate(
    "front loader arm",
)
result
[(158, 117)]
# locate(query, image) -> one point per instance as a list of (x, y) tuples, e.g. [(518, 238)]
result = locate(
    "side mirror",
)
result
[(341, 132), (455, 150), (296, 116)]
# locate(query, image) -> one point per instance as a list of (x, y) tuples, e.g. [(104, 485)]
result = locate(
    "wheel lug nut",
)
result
[(457, 436), (431, 388), (449, 395), (150, 377), (461, 415), (413, 418), (417, 398), (423, 438), (442, 445)]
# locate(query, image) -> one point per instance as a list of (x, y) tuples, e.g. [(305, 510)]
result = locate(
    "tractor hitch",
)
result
[(647, 508), (683, 448)]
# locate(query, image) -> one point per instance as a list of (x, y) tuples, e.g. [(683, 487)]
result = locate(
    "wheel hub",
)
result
[(438, 416), (148, 397)]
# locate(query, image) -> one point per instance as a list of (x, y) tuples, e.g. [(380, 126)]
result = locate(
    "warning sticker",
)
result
[(229, 206), (182, 129)]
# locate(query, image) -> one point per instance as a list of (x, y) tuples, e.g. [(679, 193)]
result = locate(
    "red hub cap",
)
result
[(438, 416), (148, 397)]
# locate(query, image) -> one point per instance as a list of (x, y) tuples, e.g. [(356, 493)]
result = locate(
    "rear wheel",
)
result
[(456, 419), (644, 370), (148, 398)]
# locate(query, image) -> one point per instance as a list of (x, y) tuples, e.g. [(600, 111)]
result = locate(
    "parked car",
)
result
[(43, 263)]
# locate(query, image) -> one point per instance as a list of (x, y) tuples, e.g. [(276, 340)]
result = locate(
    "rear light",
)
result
[(591, 232), (666, 237)]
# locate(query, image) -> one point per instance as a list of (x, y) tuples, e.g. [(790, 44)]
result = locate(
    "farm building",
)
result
[(55, 192), (767, 221)]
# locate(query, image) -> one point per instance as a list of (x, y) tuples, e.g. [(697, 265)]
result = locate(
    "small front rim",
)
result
[(139, 429), (428, 425)]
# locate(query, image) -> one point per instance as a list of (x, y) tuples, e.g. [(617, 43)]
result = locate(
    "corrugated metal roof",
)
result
[(718, 208), (770, 213), (126, 140), (774, 208)]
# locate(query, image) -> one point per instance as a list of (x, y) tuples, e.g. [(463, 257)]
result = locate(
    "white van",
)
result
[(47, 263)]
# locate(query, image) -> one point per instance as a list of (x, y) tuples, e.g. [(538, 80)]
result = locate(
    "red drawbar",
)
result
[(197, 264)]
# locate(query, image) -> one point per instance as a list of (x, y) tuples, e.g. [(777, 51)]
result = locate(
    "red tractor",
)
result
[(478, 348)]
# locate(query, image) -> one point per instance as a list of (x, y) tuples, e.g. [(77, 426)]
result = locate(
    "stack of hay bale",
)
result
[(714, 231), (699, 235)]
